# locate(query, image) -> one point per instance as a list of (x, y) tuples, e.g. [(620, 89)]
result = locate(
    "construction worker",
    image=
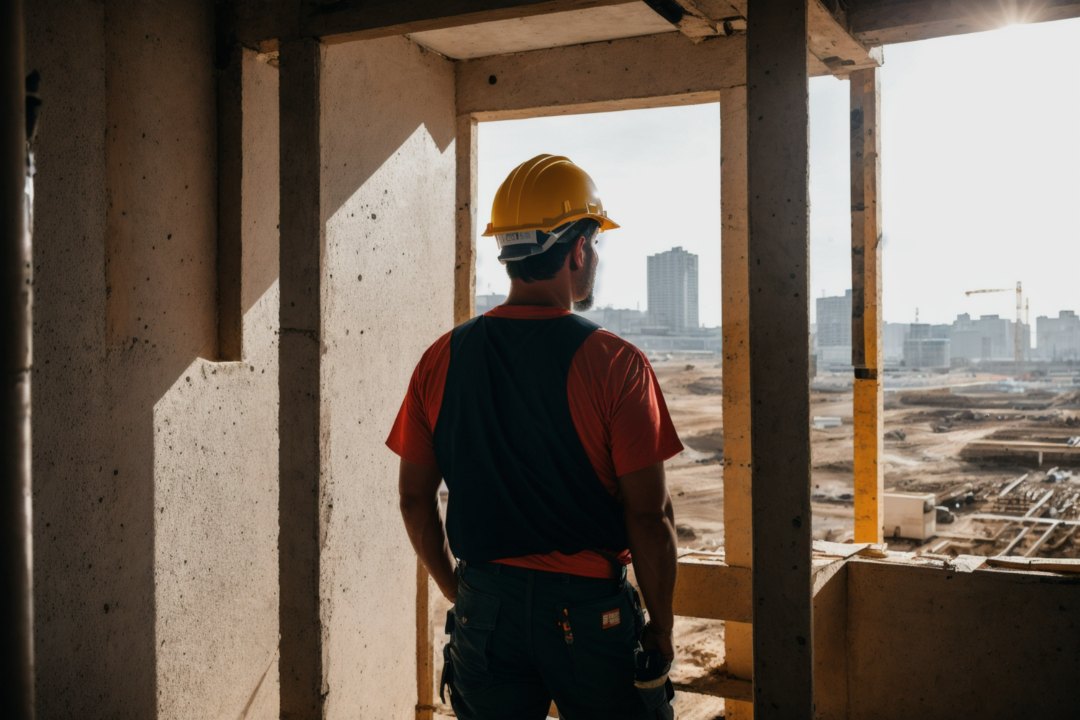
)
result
[(551, 435)]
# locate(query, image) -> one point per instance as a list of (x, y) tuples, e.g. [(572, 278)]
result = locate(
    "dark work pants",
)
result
[(522, 638)]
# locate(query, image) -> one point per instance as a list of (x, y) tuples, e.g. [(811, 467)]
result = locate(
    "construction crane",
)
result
[(1018, 328)]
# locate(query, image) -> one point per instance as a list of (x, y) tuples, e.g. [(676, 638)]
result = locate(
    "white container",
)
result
[(910, 515)]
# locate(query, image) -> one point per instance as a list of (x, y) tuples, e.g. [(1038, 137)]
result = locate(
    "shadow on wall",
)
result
[(124, 254)]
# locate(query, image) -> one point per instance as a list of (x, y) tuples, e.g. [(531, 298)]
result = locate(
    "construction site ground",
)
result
[(936, 426)]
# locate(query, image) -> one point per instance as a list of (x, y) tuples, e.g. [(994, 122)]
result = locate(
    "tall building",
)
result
[(1058, 338), (926, 347), (990, 337), (673, 290), (833, 337)]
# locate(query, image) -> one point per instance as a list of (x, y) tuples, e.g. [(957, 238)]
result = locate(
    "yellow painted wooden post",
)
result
[(738, 637), (866, 304)]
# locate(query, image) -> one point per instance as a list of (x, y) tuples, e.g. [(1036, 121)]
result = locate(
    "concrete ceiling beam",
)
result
[(613, 75), (879, 22)]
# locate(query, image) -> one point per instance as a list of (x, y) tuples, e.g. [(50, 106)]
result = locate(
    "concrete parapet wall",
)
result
[(930, 643)]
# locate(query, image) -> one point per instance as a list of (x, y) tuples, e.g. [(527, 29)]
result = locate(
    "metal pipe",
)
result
[(16, 601)]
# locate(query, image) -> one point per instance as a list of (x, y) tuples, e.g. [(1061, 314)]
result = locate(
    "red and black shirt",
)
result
[(615, 405)]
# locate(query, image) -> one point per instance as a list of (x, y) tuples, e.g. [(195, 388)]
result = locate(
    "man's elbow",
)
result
[(649, 520), (411, 503)]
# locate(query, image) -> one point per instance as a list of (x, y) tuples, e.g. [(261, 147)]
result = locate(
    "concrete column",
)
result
[(735, 308), (866, 305), (389, 197), (778, 254), (300, 364)]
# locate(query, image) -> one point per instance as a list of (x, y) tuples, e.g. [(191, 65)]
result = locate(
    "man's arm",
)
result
[(650, 527), (418, 498)]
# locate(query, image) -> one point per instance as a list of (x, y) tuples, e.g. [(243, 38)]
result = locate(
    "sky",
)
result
[(980, 182)]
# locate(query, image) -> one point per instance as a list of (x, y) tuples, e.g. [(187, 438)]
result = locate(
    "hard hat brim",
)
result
[(606, 223)]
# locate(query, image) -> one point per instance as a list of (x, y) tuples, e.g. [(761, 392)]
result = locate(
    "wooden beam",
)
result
[(879, 22), (343, 20), (832, 44), (708, 588), (615, 75), (721, 685), (299, 383), (778, 254), (425, 646), (866, 306), (465, 255), (735, 311), (687, 17)]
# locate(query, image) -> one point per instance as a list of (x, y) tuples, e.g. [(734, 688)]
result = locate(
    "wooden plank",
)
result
[(879, 22), (735, 316), (869, 411), (721, 685), (708, 588), (616, 75), (346, 20), (687, 16), (1068, 566), (465, 254), (778, 254), (425, 646), (299, 357)]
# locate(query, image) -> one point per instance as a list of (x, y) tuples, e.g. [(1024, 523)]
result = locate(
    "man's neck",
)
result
[(542, 293)]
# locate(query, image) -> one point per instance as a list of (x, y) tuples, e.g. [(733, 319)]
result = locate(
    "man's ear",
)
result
[(577, 255)]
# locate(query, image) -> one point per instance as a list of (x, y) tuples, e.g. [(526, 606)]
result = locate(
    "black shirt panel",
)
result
[(520, 480)]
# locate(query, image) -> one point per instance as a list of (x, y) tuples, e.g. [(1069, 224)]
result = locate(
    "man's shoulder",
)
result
[(607, 346), (435, 352)]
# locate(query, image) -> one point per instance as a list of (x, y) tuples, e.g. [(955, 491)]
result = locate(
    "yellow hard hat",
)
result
[(538, 196)]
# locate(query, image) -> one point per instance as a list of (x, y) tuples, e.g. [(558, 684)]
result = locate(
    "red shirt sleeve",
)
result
[(618, 408), (642, 433), (412, 436)]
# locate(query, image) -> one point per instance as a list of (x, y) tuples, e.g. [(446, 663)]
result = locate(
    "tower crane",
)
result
[(1018, 332)]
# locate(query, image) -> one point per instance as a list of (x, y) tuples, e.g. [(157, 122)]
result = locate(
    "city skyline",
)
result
[(976, 202)]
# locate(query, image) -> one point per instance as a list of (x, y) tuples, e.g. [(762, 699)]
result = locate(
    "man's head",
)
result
[(573, 251), (545, 218)]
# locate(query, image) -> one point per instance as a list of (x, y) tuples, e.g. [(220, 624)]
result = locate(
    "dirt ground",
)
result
[(929, 419)]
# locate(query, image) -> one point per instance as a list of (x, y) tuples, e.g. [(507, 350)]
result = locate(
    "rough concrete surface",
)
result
[(388, 129), (155, 496), (931, 643)]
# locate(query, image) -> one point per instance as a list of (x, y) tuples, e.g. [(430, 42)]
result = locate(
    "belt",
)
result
[(493, 568)]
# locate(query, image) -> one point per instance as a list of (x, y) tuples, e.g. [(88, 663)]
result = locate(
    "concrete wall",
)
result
[(155, 483), (388, 128), (927, 643)]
